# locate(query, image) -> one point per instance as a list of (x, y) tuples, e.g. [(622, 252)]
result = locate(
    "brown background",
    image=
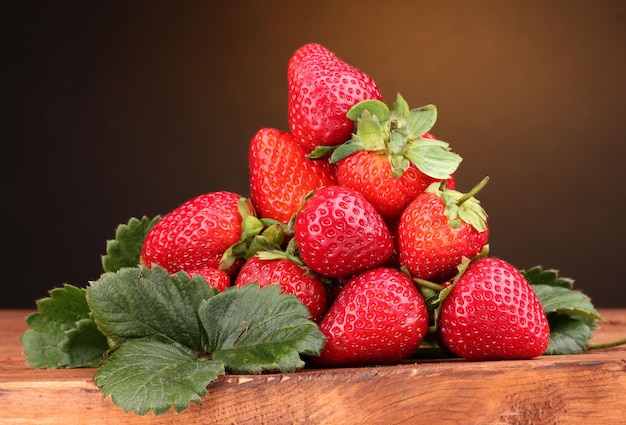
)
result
[(129, 109)]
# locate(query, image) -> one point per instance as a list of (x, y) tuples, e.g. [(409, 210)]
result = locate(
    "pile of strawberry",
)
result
[(354, 210)]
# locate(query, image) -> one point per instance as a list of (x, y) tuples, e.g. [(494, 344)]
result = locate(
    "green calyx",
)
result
[(462, 206), (398, 133), (257, 234), (435, 294)]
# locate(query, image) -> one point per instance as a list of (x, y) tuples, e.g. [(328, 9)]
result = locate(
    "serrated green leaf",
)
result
[(43, 349), (432, 157), (571, 314), (538, 276), (139, 302), (253, 329), (85, 345), (66, 305), (592, 323), (125, 249), (557, 299), (567, 335), (60, 321), (146, 375)]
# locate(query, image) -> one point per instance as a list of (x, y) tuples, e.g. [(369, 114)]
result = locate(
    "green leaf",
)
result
[(260, 244), (275, 232), (85, 345), (322, 151), (345, 150), (372, 106), (400, 112), (125, 249), (61, 332), (139, 302), (567, 335), (251, 226), (434, 301), (432, 157), (399, 165), (252, 329), (434, 305), (233, 253), (150, 375), (398, 139), (460, 206), (557, 299), (422, 120), (370, 132), (473, 213), (538, 276), (245, 208), (271, 255), (571, 314)]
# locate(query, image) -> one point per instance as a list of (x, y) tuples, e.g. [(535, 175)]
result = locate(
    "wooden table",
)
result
[(589, 388)]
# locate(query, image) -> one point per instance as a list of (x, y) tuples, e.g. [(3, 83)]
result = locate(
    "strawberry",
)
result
[(292, 277), (371, 174), (338, 233), (438, 229), (392, 158), (196, 234), (321, 89), (492, 313), (281, 174), (216, 278), (379, 317)]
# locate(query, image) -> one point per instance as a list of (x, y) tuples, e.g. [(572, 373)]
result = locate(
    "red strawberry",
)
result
[(438, 229), (321, 89), (216, 278), (293, 278), (371, 173), (281, 174), (196, 234), (492, 313), (392, 158), (339, 233), (379, 317)]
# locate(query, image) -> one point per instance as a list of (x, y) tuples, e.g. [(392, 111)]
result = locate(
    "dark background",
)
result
[(119, 110)]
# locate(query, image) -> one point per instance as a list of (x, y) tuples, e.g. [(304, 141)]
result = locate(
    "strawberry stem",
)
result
[(474, 190), (608, 344), (428, 284)]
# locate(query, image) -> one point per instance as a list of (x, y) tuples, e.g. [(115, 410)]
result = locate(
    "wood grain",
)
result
[(583, 389)]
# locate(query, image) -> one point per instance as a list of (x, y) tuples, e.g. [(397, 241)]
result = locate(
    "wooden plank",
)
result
[(582, 389)]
